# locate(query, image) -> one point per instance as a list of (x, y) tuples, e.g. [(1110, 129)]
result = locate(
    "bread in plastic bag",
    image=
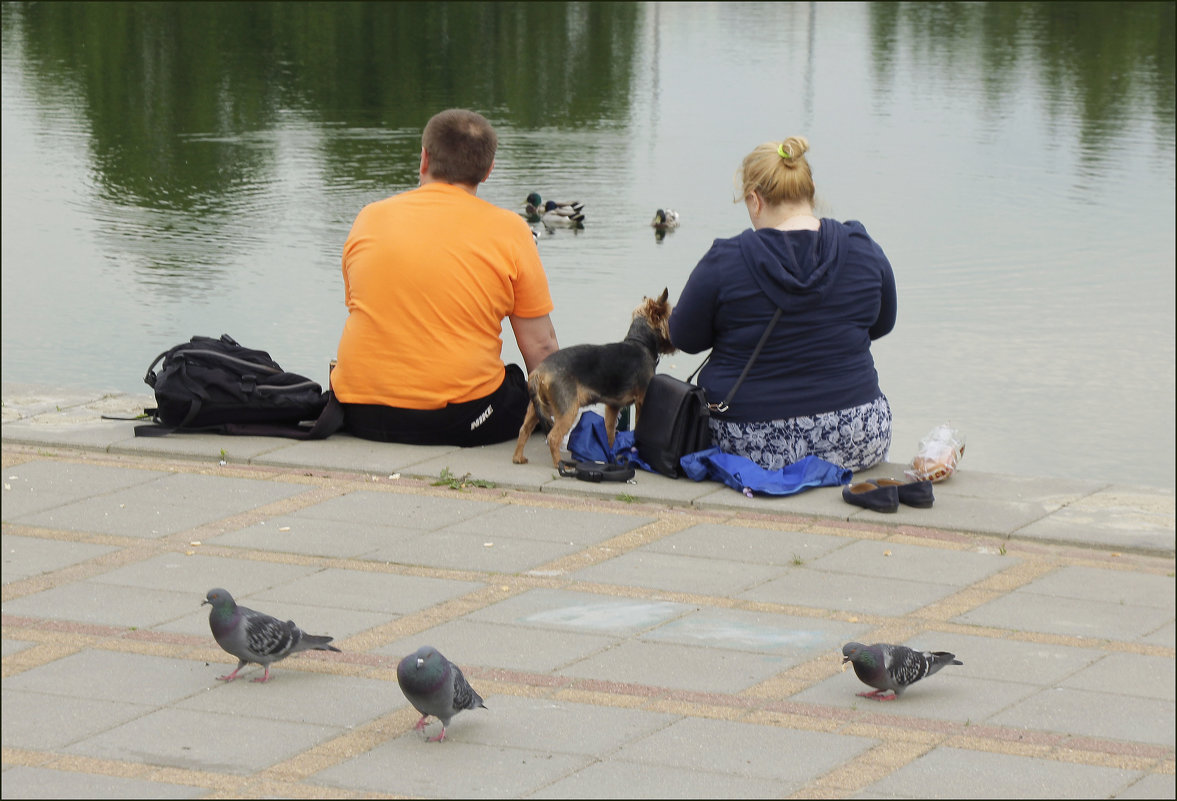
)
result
[(939, 454)]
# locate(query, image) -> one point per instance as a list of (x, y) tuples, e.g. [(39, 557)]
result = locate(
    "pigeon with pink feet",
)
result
[(256, 637), (892, 667), (435, 686)]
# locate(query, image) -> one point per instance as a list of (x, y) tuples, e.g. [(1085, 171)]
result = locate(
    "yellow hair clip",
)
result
[(780, 150)]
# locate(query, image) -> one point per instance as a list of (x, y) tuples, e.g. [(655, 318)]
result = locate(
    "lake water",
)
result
[(172, 169)]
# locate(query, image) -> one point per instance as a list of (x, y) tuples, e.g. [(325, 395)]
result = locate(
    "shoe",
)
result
[(870, 496), (916, 493)]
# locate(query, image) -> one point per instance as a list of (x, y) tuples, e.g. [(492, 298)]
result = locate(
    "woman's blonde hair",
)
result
[(778, 172)]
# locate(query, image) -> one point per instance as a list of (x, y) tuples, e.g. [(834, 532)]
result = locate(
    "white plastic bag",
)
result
[(939, 454)]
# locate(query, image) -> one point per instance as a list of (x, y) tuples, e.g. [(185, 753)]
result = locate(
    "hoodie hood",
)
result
[(795, 269)]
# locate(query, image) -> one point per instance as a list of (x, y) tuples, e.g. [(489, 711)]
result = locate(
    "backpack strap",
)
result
[(595, 472), (328, 422), (158, 430)]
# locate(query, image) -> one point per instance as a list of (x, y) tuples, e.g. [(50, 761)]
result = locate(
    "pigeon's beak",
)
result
[(420, 663), (845, 659), (205, 601)]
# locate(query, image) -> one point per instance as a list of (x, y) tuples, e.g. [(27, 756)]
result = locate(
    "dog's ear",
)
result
[(665, 294)]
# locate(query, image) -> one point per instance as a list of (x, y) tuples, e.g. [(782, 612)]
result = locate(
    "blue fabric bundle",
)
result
[(588, 443)]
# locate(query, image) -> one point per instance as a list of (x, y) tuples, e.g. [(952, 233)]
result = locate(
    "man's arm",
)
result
[(536, 338)]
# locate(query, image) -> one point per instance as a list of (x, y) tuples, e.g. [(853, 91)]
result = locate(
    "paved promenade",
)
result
[(653, 639)]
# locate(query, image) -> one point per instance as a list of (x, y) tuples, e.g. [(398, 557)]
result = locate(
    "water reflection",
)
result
[(180, 168)]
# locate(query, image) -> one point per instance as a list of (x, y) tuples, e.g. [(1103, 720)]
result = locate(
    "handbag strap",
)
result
[(722, 406)]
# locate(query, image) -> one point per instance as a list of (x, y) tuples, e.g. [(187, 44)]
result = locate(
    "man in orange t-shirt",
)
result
[(429, 275)]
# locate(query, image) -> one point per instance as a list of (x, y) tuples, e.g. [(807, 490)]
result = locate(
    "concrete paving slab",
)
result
[(797, 638), (164, 506), (502, 646), (314, 618), (402, 509), (490, 463), (613, 778), (644, 487), (1127, 674), (1109, 586), (792, 758), (296, 533), (579, 527), (1154, 785), (1049, 492), (1075, 706), (67, 431), (385, 593), (957, 773), (564, 727), (681, 667), (125, 678), (1122, 517), (944, 696), (1083, 712), (678, 573), (913, 563), (494, 553), (213, 448), (960, 513), (418, 768), (563, 610), (47, 722), (1002, 659), (815, 502), (747, 544), (31, 556), (1029, 611), (341, 701), (197, 574), (345, 452), (1164, 635), (187, 738), (104, 604), (43, 484), (31, 782), (11, 645), (865, 594), (26, 401)]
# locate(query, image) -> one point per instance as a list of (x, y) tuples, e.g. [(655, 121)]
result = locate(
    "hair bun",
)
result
[(793, 147)]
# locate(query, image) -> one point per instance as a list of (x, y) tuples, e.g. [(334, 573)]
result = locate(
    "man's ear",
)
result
[(488, 172), (424, 170)]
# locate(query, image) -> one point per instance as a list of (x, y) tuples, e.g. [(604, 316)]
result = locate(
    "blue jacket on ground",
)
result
[(837, 292)]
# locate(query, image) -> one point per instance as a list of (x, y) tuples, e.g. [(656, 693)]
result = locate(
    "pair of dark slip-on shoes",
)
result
[(885, 494)]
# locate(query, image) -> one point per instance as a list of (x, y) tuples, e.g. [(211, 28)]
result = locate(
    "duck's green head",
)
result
[(535, 200)]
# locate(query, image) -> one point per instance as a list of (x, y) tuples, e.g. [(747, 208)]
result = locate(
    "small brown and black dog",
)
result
[(581, 375)]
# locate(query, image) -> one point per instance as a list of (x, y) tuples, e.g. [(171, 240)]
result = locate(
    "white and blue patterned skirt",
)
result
[(856, 438)]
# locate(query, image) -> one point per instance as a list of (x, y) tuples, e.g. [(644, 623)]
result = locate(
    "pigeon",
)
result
[(256, 637), (435, 686), (892, 667)]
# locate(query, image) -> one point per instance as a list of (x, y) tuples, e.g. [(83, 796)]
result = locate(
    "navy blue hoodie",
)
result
[(837, 292)]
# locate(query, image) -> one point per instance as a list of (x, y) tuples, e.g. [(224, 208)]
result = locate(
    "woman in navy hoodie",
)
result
[(813, 388)]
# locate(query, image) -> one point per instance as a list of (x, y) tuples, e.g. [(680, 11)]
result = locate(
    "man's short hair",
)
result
[(461, 146)]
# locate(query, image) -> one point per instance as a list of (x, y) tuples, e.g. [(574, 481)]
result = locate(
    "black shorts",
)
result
[(495, 418)]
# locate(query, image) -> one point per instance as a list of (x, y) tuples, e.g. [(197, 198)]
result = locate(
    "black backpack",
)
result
[(217, 385)]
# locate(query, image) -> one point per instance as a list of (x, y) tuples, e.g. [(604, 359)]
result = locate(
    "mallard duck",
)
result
[(535, 208), (665, 220), (566, 216)]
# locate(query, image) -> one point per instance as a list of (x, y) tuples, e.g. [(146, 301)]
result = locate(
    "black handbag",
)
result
[(675, 415)]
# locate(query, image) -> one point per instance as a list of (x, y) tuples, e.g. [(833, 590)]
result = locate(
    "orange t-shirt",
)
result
[(429, 275)]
